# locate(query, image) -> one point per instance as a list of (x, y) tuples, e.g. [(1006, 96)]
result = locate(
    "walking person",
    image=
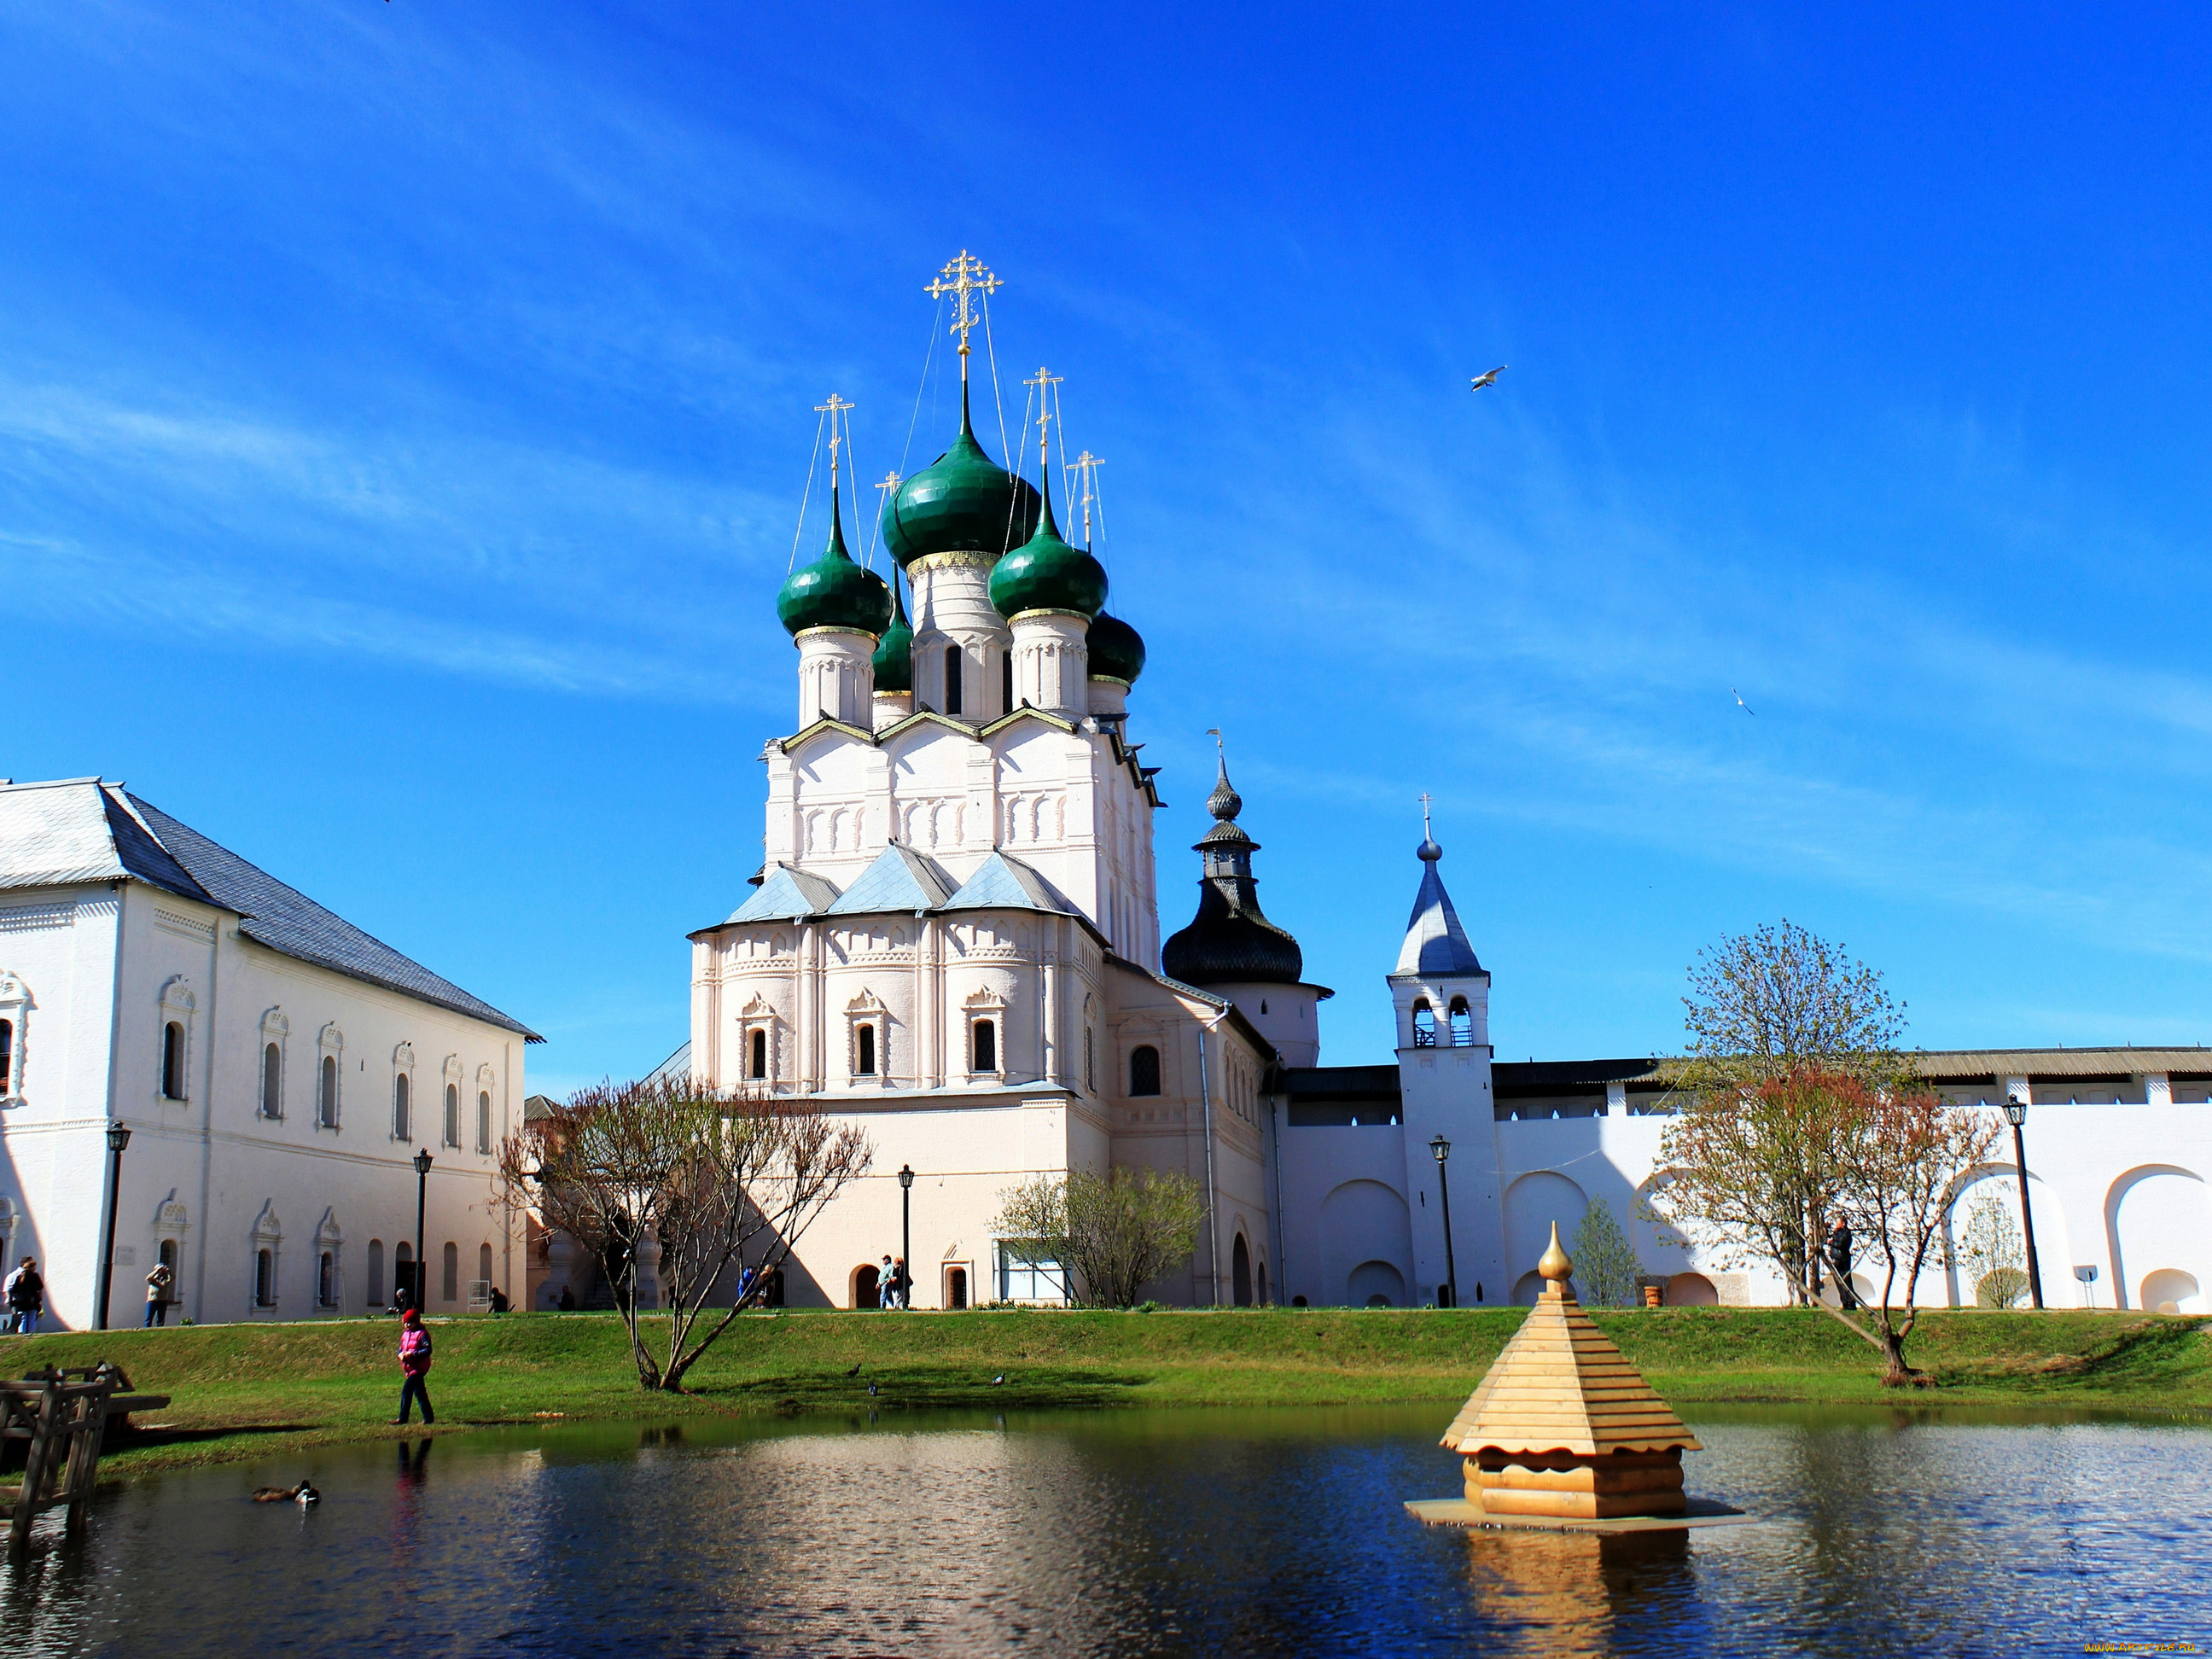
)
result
[(158, 1283), (902, 1284), (1839, 1258), (413, 1366), (886, 1291), (26, 1297)]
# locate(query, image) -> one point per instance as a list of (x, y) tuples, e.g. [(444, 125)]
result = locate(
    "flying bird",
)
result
[(1491, 378), (1741, 704)]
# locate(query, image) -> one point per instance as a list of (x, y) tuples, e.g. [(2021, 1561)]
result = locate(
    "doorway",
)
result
[(955, 1287), (1240, 1274), (864, 1286)]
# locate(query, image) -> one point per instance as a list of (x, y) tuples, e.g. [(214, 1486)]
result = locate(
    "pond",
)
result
[(1151, 1533)]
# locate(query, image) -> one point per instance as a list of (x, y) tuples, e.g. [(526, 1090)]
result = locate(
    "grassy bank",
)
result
[(245, 1390)]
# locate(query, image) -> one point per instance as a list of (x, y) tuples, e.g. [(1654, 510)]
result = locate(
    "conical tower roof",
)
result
[(1561, 1386)]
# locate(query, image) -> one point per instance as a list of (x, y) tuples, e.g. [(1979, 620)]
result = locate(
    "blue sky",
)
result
[(404, 411)]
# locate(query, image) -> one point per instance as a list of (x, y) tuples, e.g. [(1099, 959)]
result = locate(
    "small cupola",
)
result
[(1047, 573), (834, 592), (894, 661), (1117, 650), (963, 502)]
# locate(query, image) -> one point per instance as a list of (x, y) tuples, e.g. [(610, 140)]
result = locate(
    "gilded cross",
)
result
[(1044, 379), (963, 277), (832, 409), (1085, 464)]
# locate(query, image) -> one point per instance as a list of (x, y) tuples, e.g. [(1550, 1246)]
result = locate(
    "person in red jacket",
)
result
[(413, 1366)]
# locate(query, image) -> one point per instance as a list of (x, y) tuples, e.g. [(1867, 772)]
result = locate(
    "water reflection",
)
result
[(1131, 1533)]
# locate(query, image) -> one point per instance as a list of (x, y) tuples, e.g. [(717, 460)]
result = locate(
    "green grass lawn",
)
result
[(245, 1390)]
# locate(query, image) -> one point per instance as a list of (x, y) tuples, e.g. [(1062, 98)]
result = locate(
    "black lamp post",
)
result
[(421, 1197), (906, 1231), (118, 1137), (1442, 1148), (2015, 1111)]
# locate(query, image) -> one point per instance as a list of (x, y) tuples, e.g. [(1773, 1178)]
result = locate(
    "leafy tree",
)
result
[(719, 1182), (1767, 1007), (1993, 1255), (1605, 1261), (1113, 1234), (1747, 1164)]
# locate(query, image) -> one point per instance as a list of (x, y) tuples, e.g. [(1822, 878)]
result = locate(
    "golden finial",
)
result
[(1554, 1264), (1044, 379), (832, 409), (888, 482), (1086, 464), (963, 277)]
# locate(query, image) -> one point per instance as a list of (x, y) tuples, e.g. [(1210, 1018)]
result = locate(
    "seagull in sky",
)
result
[(1491, 378), (1741, 704)]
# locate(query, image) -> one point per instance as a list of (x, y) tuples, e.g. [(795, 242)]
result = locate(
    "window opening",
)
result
[(758, 1068), (173, 1061), (1145, 1070), (327, 1105), (483, 1121), (264, 1279), (951, 679), (864, 1062), (1006, 682), (1462, 1024), (1028, 1272), (402, 1271), (449, 1264), (375, 1273), (7, 1056), (1090, 1067), (399, 1091), (453, 1115), (1424, 1025), (483, 1267), (986, 1042), (272, 1081), (326, 1280)]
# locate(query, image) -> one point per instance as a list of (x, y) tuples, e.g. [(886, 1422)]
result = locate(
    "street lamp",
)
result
[(906, 1231), (118, 1137), (1442, 1148), (422, 1195), (2015, 1111)]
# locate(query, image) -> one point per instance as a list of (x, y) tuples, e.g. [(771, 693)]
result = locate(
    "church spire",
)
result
[(1436, 944), (1230, 941)]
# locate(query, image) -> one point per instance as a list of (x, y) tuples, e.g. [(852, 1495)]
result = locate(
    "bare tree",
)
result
[(1744, 1165), (1113, 1234), (725, 1184)]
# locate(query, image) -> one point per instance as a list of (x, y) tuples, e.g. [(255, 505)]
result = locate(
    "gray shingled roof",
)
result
[(1006, 883), (81, 829), (788, 893), (900, 879), (1435, 941)]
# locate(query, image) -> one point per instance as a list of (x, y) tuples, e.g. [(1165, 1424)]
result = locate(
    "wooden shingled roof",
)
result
[(1562, 1386)]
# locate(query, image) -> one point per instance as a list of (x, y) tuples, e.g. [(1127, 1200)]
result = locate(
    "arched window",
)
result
[(399, 1114), (1424, 1024), (1089, 1063), (1006, 683), (7, 1056), (326, 1100), (326, 1280), (375, 1273), (403, 1270), (951, 679), (863, 1059), (449, 1265), (1462, 1024), (483, 1267), (264, 1279), (173, 1061), (483, 1121), (1145, 1070), (272, 1081), (757, 1063), (453, 1115), (983, 1038), (167, 1254)]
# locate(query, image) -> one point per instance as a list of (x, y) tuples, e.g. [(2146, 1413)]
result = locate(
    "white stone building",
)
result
[(278, 1070)]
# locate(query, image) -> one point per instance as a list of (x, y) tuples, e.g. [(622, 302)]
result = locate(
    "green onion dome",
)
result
[(1045, 573), (833, 592), (1117, 650), (894, 655), (962, 502)]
